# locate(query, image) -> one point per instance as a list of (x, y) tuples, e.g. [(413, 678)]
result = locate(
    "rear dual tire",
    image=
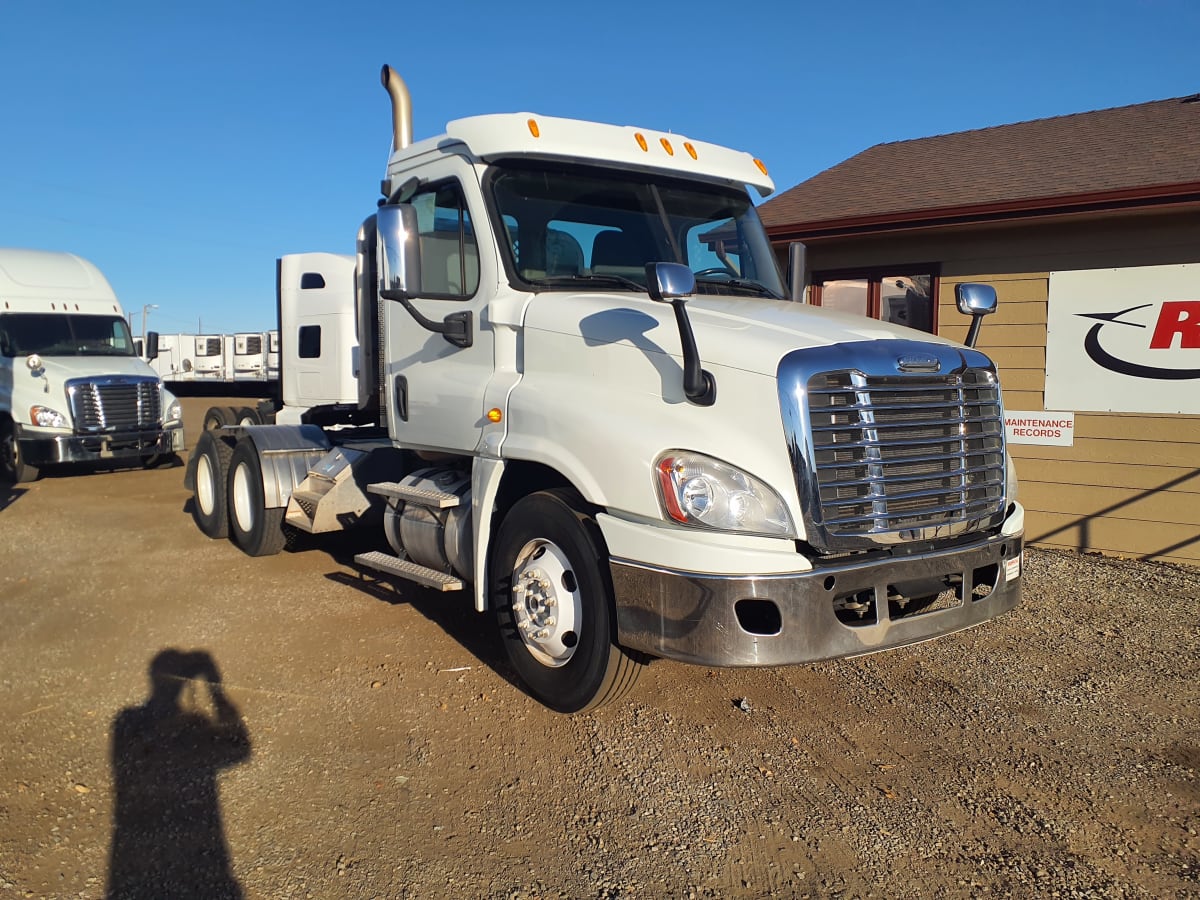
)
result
[(255, 528), (210, 508)]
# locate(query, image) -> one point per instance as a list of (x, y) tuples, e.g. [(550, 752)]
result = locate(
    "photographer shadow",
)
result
[(168, 838)]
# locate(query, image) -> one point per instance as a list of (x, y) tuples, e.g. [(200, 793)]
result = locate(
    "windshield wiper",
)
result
[(745, 284), (618, 280)]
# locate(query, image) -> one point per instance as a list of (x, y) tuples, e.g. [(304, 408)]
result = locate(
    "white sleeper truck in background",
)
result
[(72, 388), (579, 396)]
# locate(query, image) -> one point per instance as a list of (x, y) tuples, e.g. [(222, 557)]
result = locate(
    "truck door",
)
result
[(436, 389)]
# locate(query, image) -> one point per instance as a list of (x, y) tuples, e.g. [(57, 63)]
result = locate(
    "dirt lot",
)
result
[(366, 742)]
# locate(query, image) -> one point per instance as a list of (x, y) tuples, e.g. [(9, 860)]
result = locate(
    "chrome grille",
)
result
[(896, 453), (114, 404)]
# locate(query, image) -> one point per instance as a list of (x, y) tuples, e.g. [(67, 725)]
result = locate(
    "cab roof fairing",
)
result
[(501, 135)]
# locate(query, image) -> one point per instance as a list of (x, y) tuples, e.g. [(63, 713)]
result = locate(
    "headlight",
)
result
[(47, 417), (1010, 479), (699, 490), (174, 412)]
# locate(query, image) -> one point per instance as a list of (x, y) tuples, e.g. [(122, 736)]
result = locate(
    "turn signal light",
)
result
[(493, 414)]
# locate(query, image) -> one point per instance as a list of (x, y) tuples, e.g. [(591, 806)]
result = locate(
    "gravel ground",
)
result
[(366, 741)]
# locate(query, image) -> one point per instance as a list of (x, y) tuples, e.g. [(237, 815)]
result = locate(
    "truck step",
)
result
[(402, 568), (308, 500), (419, 496), (299, 521)]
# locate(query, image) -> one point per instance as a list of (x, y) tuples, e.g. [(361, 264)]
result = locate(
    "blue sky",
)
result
[(182, 147)]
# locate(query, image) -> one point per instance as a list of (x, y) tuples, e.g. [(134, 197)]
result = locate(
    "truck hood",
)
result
[(744, 333), (60, 368)]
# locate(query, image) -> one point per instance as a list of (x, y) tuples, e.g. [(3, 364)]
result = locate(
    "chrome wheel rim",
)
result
[(546, 603)]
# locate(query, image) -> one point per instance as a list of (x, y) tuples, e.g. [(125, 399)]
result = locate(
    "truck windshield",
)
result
[(588, 227), (63, 334)]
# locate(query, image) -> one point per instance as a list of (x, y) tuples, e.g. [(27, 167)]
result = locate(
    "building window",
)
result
[(902, 296)]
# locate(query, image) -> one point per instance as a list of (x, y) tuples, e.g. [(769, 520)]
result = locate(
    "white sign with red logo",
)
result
[(1054, 428), (1124, 340)]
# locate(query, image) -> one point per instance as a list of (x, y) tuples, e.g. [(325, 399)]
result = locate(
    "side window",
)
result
[(309, 342), (449, 254)]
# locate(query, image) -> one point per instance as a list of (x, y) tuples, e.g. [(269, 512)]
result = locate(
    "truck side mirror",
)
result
[(976, 301), (152, 345), (399, 243), (797, 275), (399, 251)]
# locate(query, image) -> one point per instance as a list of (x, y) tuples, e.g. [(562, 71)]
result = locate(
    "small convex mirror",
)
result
[(669, 281), (399, 251), (975, 299)]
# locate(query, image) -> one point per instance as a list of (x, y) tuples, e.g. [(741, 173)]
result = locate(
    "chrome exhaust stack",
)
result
[(402, 126)]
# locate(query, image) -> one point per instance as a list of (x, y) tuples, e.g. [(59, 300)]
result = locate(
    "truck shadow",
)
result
[(455, 615), (10, 494), (168, 837), (98, 467)]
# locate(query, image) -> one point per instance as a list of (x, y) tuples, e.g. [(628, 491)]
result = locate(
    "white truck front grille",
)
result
[(902, 452), (115, 404)]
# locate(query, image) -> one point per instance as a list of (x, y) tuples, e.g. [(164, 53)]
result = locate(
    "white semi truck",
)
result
[(72, 388), (583, 401)]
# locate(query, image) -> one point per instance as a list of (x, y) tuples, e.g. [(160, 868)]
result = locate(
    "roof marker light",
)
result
[(641, 139), (762, 167), (533, 128), (690, 149), (667, 146)]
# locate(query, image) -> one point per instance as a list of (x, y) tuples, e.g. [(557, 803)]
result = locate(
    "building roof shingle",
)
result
[(1145, 149)]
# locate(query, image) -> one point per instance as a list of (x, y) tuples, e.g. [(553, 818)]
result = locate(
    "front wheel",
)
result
[(13, 467), (253, 527), (554, 602)]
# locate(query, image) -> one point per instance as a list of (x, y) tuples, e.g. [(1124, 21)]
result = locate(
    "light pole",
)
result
[(145, 312)]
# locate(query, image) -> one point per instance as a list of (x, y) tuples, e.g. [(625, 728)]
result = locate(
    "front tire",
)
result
[(553, 597), (13, 467), (209, 506), (253, 527)]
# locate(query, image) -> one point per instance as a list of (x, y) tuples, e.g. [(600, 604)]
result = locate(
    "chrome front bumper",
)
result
[(40, 449), (833, 611)]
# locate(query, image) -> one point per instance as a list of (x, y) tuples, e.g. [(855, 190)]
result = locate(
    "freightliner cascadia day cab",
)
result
[(72, 388), (585, 401)]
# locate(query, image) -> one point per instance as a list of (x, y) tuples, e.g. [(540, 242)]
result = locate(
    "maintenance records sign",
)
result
[(1057, 429), (1124, 340)]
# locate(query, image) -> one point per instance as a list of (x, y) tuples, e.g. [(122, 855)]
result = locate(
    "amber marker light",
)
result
[(641, 139), (493, 414), (691, 151), (762, 167), (533, 128), (667, 146), (668, 470)]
